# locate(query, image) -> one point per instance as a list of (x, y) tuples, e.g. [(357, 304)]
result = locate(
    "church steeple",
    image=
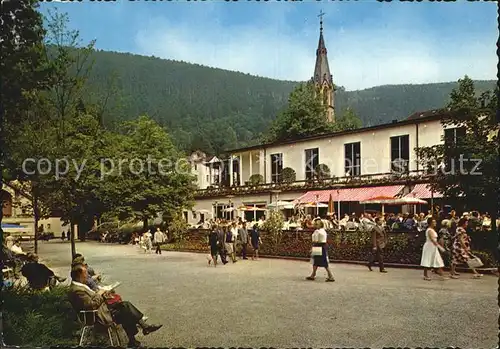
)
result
[(322, 77)]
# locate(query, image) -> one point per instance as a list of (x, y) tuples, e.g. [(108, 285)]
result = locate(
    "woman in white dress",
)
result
[(320, 251), (431, 258)]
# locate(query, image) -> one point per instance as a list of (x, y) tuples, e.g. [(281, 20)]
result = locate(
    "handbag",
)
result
[(317, 251), (115, 299), (474, 262)]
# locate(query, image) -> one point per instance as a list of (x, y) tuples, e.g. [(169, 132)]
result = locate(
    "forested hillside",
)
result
[(214, 109)]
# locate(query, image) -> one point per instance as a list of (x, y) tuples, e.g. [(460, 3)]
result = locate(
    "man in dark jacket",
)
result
[(379, 240), (222, 249), (243, 236)]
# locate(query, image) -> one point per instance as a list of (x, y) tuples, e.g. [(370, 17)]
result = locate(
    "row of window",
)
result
[(400, 159), (399, 149), (400, 155)]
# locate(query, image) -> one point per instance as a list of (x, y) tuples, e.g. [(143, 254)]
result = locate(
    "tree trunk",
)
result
[(145, 224), (34, 197), (72, 239), (495, 235)]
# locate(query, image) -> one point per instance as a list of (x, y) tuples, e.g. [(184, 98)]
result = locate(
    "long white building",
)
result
[(363, 163)]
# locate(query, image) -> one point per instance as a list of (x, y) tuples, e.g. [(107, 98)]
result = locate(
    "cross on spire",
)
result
[(321, 14)]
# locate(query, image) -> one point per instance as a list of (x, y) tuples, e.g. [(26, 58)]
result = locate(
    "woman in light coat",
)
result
[(320, 251)]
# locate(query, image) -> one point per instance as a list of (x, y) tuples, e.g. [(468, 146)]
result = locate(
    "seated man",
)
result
[(16, 248), (79, 259), (39, 276), (82, 298)]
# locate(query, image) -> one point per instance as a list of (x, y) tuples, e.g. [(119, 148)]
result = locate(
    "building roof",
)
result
[(322, 69), (425, 116)]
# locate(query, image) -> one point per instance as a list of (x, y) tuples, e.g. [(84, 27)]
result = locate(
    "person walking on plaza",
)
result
[(320, 251), (159, 239), (243, 236), (213, 242), (229, 243), (255, 241), (431, 258), (148, 244), (379, 240), (234, 232), (221, 234), (461, 252)]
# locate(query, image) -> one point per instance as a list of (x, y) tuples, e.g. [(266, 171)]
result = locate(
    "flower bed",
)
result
[(402, 248)]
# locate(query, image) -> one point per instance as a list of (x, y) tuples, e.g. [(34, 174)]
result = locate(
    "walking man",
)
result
[(159, 238), (222, 247), (243, 234), (379, 240)]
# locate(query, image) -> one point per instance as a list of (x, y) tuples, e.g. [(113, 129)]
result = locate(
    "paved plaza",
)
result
[(268, 302)]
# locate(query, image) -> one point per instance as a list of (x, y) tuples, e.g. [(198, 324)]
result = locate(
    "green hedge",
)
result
[(402, 248), (38, 318)]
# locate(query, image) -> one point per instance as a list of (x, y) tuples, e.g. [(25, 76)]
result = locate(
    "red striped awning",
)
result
[(350, 194), (422, 191)]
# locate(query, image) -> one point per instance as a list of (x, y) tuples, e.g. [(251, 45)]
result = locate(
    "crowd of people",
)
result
[(396, 222)]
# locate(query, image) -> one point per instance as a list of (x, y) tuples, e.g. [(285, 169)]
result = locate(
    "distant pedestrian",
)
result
[(159, 238), (229, 243), (255, 240), (243, 236), (379, 240), (320, 251), (461, 251), (213, 242), (221, 240), (147, 241), (431, 258)]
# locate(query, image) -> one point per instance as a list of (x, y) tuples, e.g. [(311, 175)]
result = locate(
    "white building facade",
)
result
[(384, 154)]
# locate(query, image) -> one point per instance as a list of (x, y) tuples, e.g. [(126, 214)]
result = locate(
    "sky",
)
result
[(369, 43)]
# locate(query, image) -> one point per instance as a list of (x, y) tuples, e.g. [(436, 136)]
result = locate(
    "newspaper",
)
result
[(111, 287)]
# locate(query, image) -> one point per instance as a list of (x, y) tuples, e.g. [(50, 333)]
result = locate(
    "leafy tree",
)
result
[(178, 228), (288, 174), (35, 140), (467, 163), (273, 225), (77, 193), (304, 116), (347, 121), (23, 70), (153, 176), (71, 65)]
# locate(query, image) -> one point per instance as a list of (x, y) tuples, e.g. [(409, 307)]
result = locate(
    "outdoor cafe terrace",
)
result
[(327, 184)]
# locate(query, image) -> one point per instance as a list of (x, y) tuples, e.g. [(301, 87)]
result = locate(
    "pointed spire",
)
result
[(321, 69)]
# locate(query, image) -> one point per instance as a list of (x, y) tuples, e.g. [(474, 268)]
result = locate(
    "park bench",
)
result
[(90, 326)]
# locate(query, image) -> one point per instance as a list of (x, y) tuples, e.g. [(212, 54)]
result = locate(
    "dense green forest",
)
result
[(214, 109)]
